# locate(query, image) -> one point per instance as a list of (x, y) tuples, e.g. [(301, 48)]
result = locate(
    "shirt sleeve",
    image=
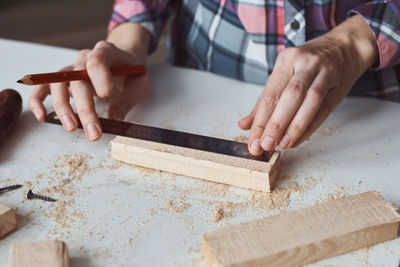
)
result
[(383, 17), (150, 14)]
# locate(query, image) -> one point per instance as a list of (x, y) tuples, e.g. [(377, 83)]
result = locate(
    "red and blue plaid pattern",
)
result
[(242, 38)]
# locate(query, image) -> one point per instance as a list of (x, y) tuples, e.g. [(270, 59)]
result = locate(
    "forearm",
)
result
[(131, 37)]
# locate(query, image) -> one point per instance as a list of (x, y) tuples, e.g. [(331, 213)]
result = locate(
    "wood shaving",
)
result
[(217, 215), (241, 138)]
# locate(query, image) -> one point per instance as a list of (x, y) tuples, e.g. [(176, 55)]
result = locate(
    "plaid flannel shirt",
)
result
[(242, 38)]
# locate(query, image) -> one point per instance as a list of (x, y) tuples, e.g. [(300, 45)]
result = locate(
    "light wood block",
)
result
[(305, 235), (209, 166), (38, 254), (8, 220)]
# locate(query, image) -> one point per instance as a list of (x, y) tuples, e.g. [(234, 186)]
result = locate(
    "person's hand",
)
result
[(308, 82), (121, 92)]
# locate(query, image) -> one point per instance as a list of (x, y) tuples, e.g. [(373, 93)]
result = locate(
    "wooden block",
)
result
[(305, 235), (8, 220), (246, 173), (38, 254)]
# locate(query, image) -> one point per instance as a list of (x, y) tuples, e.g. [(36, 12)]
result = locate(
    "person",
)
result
[(309, 55)]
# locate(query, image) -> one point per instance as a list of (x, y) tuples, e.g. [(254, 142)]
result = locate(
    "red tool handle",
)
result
[(10, 109)]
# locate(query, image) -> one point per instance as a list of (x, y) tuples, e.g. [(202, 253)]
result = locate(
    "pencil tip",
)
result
[(19, 81)]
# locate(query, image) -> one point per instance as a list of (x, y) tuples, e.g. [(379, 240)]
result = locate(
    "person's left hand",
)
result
[(308, 82)]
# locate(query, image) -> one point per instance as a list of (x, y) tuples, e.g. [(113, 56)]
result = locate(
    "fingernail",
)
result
[(67, 122), (37, 113), (255, 146), (284, 141), (268, 143), (93, 131)]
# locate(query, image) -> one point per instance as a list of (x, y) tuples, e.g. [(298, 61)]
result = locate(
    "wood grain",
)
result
[(8, 221), (305, 235), (209, 166), (38, 254)]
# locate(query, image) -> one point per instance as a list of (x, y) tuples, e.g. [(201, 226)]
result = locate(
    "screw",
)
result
[(10, 188), (32, 195)]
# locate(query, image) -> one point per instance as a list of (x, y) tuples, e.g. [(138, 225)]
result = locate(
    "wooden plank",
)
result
[(38, 254), (209, 166), (305, 235), (8, 220)]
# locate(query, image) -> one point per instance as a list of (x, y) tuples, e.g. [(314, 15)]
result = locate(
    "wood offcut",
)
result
[(8, 220), (38, 254), (241, 172), (305, 235)]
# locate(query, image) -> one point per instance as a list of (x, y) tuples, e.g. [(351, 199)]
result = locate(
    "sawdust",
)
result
[(7, 182), (178, 205), (146, 171), (308, 183), (66, 173), (328, 131), (278, 199), (213, 189), (96, 253), (114, 166), (241, 138), (338, 193), (101, 253)]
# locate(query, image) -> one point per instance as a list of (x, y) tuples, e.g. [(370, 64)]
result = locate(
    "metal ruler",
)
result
[(175, 138)]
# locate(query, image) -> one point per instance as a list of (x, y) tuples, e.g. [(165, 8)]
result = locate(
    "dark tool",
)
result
[(32, 195), (9, 188), (176, 138), (10, 109)]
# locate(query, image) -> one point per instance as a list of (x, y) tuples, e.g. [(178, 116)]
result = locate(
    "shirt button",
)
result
[(295, 25)]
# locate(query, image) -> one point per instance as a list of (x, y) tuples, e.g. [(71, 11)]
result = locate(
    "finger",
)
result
[(85, 107), (268, 100), (246, 122), (138, 88), (82, 58), (82, 94), (289, 102), (36, 99), (62, 107), (306, 113), (98, 67), (328, 105)]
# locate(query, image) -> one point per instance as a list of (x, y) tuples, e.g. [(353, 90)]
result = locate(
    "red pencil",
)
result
[(78, 75)]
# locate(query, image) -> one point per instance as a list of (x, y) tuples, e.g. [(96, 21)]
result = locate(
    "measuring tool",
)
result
[(176, 138)]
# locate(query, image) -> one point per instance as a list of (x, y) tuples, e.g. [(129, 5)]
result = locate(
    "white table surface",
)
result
[(120, 213)]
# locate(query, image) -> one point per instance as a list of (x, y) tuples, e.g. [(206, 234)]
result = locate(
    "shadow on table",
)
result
[(79, 262), (25, 125)]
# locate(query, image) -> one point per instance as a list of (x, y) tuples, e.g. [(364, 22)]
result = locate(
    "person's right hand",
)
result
[(121, 92)]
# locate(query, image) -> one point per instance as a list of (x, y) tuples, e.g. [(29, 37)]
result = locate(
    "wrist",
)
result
[(131, 38), (358, 42)]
